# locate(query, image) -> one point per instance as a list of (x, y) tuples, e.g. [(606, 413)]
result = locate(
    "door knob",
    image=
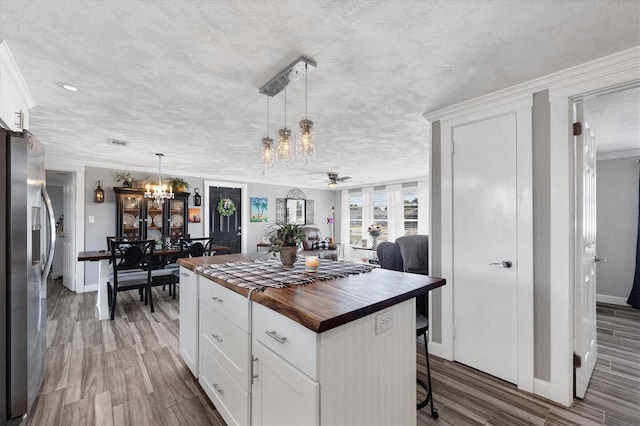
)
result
[(504, 263), (599, 259)]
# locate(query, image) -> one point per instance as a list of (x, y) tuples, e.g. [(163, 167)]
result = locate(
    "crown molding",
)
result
[(626, 61), (618, 154), (8, 65)]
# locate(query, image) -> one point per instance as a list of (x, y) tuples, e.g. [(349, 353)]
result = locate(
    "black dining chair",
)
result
[(197, 247), (410, 254), (131, 270)]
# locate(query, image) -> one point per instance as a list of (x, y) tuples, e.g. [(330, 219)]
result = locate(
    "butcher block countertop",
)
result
[(323, 305)]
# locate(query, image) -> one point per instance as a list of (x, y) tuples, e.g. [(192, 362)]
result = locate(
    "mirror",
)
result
[(296, 211)]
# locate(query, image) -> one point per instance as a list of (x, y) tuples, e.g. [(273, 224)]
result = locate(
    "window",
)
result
[(410, 212), (381, 214), (355, 218)]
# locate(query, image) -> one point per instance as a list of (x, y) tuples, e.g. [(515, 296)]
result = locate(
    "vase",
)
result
[(374, 243), (288, 255)]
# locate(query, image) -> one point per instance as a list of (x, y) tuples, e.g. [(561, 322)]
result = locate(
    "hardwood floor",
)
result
[(128, 372), (464, 396), (121, 372)]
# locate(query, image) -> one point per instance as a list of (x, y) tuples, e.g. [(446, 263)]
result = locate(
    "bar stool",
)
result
[(422, 328)]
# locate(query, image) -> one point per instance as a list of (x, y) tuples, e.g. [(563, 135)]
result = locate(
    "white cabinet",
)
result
[(15, 98), (282, 395), (189, 318), (225, 350)]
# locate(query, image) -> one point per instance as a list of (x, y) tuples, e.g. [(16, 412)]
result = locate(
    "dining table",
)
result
[(103, 257)]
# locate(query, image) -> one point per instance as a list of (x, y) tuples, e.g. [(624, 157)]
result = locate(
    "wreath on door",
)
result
[(226, 207)]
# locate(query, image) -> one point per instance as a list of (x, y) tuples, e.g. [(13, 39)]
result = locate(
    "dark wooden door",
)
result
[(226, 230)]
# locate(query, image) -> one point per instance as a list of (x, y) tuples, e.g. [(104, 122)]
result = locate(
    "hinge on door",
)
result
[(577, 360), (453, 148), (577, 129), (19, 119), (453, 333)]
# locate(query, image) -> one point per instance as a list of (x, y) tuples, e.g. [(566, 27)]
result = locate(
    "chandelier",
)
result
[(287, 149), (159, 193)]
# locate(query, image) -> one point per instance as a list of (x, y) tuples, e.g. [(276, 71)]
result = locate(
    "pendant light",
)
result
[(306, 143), (285, 148), (268, 156)]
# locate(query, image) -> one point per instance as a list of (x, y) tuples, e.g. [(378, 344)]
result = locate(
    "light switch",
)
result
[(92, 219)]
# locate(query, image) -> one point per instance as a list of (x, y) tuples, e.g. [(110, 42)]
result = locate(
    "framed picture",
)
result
[(194, 215), (258, 209)]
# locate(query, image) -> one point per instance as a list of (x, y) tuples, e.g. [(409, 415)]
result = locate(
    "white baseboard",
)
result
[(614, 300), (89, 288), (438, 350)]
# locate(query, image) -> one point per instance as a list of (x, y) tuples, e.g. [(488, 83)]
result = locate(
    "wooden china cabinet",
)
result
[(142, 218)]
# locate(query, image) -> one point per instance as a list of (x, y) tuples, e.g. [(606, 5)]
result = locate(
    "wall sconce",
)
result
[(197, 198), (98, 193)]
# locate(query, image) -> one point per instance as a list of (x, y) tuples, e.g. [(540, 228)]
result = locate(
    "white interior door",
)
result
[(69, 212), (484, 246), (585, 268)]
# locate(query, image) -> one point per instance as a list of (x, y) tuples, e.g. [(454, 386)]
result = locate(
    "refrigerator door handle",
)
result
[(52, 229)]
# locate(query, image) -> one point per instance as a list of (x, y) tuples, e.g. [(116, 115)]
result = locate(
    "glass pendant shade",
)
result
[(306, 142), (285, 148), (268, 156)]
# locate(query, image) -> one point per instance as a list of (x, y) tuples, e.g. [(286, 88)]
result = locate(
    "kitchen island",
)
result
[(340, 351)]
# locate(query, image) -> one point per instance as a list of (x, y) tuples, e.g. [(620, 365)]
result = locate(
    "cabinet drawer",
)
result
[(293, 342), (227, 342), (230, 400), (227, 303)]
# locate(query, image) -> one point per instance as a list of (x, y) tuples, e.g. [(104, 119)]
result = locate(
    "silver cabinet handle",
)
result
[(184, 274), (218, 338), (217, 387), (274, 335), (599, 259), (217, 299), (504, 263)]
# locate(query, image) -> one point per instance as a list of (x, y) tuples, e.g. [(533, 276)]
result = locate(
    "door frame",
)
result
[(600, 78), (78, 173), (521, 106), (244, 197)]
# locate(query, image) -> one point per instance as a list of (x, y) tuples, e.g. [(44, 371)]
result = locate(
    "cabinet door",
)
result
[(155, 220), (189, 319), (282, 395), (130, 221), (177, 218)]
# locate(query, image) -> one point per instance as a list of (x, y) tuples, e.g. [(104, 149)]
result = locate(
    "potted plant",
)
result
[(125, 179), (178, 184), (285, 239)]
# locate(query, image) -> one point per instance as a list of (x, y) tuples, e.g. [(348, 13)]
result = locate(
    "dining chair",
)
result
[(131, 270), (197, 247), (410, 254)]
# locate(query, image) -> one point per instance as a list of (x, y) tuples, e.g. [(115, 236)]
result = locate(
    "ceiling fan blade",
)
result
[(342, 179)]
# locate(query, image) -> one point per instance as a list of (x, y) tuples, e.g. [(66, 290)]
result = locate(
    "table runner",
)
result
[(262, 273)]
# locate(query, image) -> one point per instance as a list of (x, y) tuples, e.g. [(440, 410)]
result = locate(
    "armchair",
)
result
[(313, 235)]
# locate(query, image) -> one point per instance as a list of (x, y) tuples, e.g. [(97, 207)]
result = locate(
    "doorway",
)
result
[(227, 228), (606, 176), (62, 190)]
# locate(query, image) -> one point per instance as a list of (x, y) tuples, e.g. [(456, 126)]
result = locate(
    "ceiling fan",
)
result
[(334, 179)]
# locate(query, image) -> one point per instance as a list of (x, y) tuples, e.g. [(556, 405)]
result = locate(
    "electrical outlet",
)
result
[(384, 321)]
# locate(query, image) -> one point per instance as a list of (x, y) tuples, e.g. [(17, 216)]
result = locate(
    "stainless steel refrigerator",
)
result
[(27, 241)]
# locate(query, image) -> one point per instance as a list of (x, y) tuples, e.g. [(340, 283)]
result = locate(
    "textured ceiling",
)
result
[(615, 120), (182, 77)]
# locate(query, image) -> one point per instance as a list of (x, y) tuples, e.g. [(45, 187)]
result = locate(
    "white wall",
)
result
[(617, 221)]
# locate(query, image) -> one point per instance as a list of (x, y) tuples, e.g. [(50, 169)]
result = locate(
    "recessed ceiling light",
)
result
[(69, 87)]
